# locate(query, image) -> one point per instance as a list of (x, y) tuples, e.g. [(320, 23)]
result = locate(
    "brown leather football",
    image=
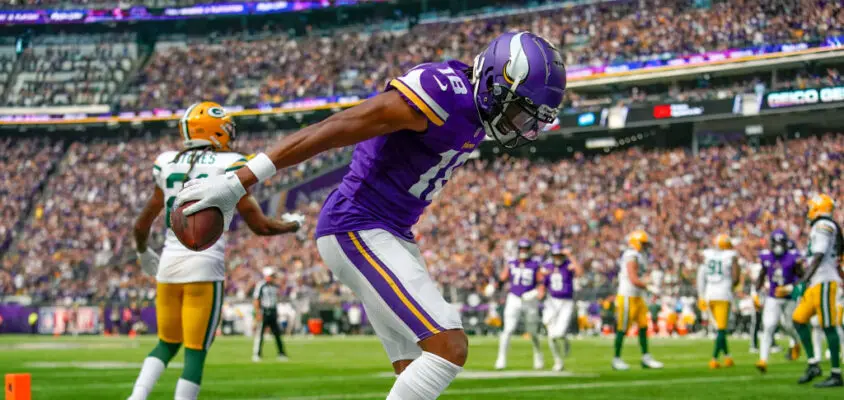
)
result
[(198, 231)]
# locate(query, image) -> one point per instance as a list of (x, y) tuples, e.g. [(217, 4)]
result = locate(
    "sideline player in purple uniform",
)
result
[(409, 141), (525, 276), (780, 266), (559, 304)]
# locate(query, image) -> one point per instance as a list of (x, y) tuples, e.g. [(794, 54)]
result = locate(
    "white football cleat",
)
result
[(500, 364), (282, 358), (558, 366), (256, 358), (649, 362), (538, 361), (619, 365)]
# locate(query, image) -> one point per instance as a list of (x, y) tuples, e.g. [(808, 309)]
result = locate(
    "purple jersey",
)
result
[(395, 176), (560, 280), (780, 270), (523, 276)]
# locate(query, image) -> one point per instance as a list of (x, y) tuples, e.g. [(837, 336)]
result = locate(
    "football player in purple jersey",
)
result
[(409, 139), (559, 273), (524, 275), (781, 267)]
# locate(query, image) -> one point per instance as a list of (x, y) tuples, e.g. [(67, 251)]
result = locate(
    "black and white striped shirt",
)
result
[(267, 295)]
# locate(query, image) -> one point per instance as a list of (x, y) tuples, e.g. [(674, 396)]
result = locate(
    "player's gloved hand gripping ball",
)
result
[(205, 207)]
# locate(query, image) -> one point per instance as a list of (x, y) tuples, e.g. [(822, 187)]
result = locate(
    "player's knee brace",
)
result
[(165, 351)]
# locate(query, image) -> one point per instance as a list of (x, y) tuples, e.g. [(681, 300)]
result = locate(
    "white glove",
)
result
[(149, 261), (221, 191), (294, 217), (530, 295)]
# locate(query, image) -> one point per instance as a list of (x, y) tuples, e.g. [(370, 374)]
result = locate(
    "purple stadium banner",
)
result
[(127, 317), (141, 13), (314, 189), (15, 318), (696, 59)]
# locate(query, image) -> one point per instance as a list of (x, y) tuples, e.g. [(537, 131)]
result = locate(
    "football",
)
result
[(198, 231)]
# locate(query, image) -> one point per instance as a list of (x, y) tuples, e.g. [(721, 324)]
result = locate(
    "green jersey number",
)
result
[(715, 268), (172, 180)]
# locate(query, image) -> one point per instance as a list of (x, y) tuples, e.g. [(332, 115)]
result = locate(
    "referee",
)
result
[(266, 299)]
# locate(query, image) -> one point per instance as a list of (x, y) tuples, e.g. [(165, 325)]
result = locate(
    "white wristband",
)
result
[(261, 166)]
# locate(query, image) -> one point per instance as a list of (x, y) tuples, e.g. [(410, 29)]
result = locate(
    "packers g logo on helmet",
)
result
[(207, 124)]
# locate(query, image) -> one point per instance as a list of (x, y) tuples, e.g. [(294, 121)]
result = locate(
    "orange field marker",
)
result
[(18, 387)]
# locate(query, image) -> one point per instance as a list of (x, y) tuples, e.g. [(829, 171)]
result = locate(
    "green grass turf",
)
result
[(357, 368)]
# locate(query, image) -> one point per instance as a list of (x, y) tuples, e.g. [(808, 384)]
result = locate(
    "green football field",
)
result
[(90, 368)]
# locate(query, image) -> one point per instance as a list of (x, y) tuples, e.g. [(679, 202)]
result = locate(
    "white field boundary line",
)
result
[(470, 375), (542, 388)]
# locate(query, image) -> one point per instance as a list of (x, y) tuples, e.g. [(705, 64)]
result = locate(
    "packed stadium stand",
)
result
[(277, 68), (72, 70), (66, 228), (268, 65), (589, 202)]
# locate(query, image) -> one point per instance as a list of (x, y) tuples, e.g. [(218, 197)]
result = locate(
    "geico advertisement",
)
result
[(800, 97)]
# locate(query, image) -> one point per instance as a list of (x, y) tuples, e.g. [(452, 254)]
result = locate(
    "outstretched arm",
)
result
[(259, 223), (383, 114)]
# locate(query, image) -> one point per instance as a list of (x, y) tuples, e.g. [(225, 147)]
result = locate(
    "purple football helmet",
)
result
[(519, 84), (524, 246), (779, 242)]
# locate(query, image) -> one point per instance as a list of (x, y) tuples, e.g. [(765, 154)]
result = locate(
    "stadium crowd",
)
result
[(76, 244), (72, 70), (25, 164), (275, 67)]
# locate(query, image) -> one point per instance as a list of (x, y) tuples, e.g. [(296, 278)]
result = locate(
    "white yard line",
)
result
[(541, 388)]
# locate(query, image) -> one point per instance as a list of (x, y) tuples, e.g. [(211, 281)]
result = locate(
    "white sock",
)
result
[(765, 348), (554, 344), (503, 345), (186, 390), (424, 379), (150, 372), (817, 343), (256, 344), (534, 340)]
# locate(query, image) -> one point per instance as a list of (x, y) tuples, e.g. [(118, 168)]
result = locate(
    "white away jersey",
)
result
[(822, 240), (178, 263), (717, 274), (625, 286)]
